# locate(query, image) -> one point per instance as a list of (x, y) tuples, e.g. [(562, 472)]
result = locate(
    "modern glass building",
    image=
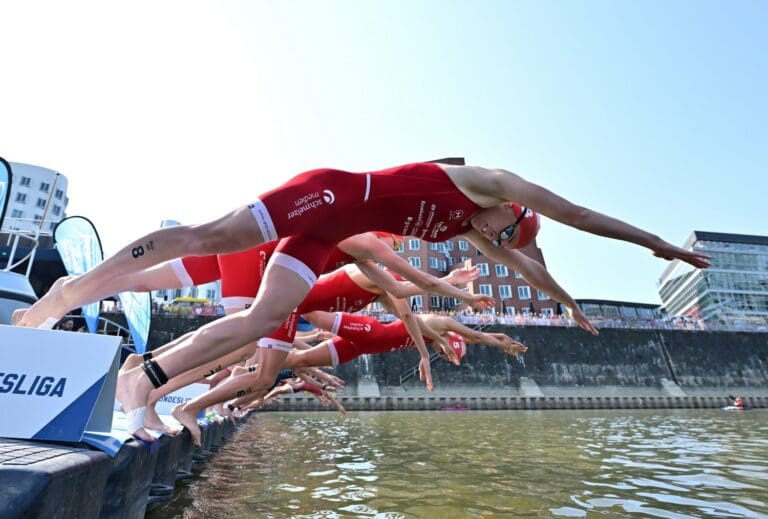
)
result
[(732, 292)]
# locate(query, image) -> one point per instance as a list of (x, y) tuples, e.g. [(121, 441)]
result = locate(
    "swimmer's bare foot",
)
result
[(17, 315), (154, 422), (188, 420), (132, 391), (51, 307)]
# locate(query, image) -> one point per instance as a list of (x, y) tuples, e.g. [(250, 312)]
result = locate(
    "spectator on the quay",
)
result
[(68, 325)]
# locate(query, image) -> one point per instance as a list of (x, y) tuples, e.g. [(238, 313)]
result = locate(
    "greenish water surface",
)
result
[(692, 463)]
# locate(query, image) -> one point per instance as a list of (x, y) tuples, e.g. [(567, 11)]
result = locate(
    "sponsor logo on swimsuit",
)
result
[(438, 228), (311, 201), (17, 384), (456, 214), (353, 326)]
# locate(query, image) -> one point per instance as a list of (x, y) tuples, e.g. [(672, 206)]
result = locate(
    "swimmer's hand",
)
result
[(425, 373), (479, 301), (581, 319), (462, 276), (670, 252)]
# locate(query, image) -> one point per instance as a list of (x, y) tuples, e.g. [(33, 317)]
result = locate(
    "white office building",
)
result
[(38, 199), (732, 292)]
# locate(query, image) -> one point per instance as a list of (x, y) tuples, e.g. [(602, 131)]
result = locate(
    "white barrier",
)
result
[(55, 385)]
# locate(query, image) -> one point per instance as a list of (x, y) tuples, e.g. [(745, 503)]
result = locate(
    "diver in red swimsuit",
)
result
[(318, 209)]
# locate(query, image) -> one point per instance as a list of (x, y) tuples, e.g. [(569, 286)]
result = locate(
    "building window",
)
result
[(451, 261), (25, 181), (548, 312), (485, 289), (447, 246), (518, 275), (16, 213), (44, 187), (442, 266), (21, 197), (509, 310), (210, 294), (41, 202), (38, 217), (414, 244), (52, 225), (524, 292), (432, 262), (177, 293), (505, 291), (56, 210), (416, 302), (434, 301), (433, 246), (502, 271), (59, 194), (415, 261), (483, 269), (463, 245), (541, 295)]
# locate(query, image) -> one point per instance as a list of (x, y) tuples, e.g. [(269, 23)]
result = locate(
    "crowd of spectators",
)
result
[(470, 318), (535, 319)]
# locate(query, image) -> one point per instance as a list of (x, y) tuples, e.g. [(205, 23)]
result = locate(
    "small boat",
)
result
[(735, 408)]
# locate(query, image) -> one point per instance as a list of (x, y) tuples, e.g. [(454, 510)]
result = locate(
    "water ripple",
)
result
[(667, 464)]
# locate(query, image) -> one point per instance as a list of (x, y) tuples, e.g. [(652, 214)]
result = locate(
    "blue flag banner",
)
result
[(137, 307), (5, 187), (80, 249)]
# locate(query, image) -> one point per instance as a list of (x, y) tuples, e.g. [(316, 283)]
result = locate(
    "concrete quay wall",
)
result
[(566, 359), (47, 480)]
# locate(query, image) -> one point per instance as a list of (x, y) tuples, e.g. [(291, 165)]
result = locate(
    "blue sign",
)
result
[(79, 246)]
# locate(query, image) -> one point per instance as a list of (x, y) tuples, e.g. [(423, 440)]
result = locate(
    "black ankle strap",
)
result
[(147, 355), (154, 373)]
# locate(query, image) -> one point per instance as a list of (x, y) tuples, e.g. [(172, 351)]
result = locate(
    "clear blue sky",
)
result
[(653, 112)]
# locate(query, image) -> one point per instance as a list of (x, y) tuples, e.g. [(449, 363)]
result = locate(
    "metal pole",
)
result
[(48, 202)]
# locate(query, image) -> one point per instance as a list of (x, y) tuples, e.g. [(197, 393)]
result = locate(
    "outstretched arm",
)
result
[(497, 340), (510, 186), (458, 278), (401, 309), (533, 272), (370, 247)]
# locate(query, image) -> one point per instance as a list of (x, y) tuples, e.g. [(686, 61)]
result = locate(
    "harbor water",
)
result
[(676, 464)]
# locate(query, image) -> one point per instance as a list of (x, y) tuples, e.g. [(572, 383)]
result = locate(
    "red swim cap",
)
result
[(528, 225), (458, 344)]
